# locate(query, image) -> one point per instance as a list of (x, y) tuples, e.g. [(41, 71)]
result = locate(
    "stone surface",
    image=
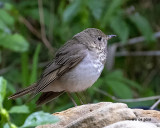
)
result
[(147, 115), (105, 114), (132, 124)]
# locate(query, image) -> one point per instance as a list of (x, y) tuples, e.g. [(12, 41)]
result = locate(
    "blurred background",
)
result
[(32, 30)]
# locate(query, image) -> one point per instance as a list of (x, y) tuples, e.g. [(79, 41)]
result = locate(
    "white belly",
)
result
[(79, 78), (83, 76)]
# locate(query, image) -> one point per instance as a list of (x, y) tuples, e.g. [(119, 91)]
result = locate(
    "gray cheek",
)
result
[(105, 43)]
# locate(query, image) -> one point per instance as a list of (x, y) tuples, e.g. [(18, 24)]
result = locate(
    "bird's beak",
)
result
[(110, 36)]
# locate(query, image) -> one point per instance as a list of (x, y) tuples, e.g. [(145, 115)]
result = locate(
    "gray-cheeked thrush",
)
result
[(76, 67)]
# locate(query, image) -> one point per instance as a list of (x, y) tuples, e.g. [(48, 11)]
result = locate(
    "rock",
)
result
[(147, 115), (132, 124), (105, 114)]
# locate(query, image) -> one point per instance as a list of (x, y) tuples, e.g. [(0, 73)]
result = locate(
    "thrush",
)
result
[(76, 66)]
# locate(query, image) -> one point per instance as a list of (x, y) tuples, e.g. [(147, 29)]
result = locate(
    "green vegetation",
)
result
[(27, 45)]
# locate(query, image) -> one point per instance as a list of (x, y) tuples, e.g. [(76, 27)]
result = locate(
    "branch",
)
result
[(126, 100), (4, 70), (112, 50), (43, 32), (138, 53), (8, 68), (155, 105), (30, 27), (136, 40), (35, 32)]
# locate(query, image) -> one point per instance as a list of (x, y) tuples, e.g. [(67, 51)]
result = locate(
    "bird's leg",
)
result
[(78, 96), (70, 96)]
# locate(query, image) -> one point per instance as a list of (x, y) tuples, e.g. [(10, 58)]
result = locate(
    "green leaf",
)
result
[(113, 8), (118, 75), (120, 89), (39, 118), (3, 84), (33, 77), (114, 74), (115, 81), (4, 27), (97, 84), (14, 42), (132, 84), (120, 27), (6, 18), (0, 57), (32, 12), (96, 8), (8, 6), (143, 26), (19, 109), (71, 11), (7, 125), (24, 68)]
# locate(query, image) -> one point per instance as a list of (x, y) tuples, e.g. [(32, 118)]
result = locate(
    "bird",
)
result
[(77, 66)]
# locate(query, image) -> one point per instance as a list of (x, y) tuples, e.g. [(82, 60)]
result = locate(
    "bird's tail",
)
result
[(47, 97), (22, 92)]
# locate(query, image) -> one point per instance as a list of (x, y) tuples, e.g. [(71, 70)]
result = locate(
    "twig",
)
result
[(150, 76), (155, 105), (8, 68), (136, 40), (34, 31), (30, 27), (126, 100), (138, 53), (43, 32), (50, 31), (113, 50), (4, 70)]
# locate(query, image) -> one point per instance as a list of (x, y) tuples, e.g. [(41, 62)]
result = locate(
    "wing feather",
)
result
[(64, 61)]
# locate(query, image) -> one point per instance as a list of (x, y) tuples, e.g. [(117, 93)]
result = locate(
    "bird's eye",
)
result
[(99, 38)]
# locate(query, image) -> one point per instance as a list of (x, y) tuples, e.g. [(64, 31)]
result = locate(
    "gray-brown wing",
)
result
[(64, 61)]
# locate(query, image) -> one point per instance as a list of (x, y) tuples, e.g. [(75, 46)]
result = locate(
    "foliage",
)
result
[(23, 53), (35, 119), (18, 43), (39, 118)]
